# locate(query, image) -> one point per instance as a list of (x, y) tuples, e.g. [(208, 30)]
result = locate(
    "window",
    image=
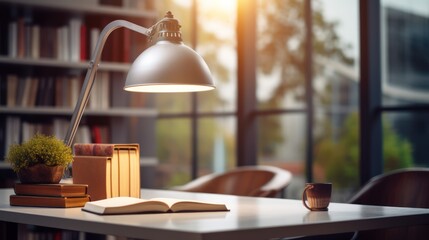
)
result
[(196, 131), (298, 105), (405, 85)]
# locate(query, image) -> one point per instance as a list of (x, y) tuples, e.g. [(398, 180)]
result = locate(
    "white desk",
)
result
[(249, 218)]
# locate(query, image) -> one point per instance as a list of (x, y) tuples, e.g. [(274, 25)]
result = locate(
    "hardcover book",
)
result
[(117, 171), (53, 190), (96, 172), (42, 201), (128, 205)]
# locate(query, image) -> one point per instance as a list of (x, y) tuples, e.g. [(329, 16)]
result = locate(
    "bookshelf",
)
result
[(41, 75), (39, 51)]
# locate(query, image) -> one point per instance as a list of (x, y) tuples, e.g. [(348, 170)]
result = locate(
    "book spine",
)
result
[(12, 90), (114, 174), (75, 26), (13, 39), (134, 172), (94, 35), (13, 131), (21, 38), (83, 43), (27, 91), (35, 41), (124, 172), (89, 149)]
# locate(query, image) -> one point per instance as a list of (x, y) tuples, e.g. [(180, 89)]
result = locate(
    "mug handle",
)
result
[(304, 196)]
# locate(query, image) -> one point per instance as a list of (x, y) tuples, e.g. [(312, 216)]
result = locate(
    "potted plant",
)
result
[(42, 159)]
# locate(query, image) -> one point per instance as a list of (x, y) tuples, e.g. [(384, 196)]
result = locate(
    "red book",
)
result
[(83, 43), (127, 43), (96, 134)]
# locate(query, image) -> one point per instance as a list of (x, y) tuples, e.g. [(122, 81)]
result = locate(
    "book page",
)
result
[(123, 205), (178, 205)]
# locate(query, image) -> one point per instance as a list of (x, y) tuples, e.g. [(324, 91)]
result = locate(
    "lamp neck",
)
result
[(167, 28)]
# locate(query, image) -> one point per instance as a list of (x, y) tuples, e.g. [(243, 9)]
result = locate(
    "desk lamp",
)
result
[(166, 66)]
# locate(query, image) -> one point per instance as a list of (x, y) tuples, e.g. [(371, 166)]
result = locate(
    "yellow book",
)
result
[(124, 172), (115, 174), (134, 173)]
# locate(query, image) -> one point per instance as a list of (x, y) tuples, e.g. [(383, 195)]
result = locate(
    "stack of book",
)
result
[(110, 170), (61, 195)]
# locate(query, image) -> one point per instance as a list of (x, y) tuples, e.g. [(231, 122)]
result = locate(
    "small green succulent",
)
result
[(39, 149)]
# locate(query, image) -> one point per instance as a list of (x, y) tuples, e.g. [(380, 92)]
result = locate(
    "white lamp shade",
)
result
[(169, 67)]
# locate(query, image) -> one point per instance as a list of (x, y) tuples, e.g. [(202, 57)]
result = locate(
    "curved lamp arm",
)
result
[(166, 66), (92, 70)]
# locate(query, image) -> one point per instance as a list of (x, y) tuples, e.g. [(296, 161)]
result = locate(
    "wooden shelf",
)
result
[(5, 165), (112, 112), (81, 6), (54, 63)]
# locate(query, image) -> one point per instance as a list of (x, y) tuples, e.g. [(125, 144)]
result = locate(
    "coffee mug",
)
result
[(316, 196)]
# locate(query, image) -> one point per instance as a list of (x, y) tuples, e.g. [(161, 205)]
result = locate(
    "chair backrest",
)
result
[(256, 181), (400, 188)]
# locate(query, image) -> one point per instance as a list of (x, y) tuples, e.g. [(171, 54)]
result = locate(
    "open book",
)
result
[(126, 205)]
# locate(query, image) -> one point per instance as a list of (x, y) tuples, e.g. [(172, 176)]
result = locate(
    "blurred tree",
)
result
[(340, 159), (281, 44), (397, 152), (281, 47)]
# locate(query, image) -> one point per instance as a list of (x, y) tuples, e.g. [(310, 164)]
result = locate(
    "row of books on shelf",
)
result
[(18, 131), (130, 4), (68, 42), (32, 232), (74, 41), (59, 91)]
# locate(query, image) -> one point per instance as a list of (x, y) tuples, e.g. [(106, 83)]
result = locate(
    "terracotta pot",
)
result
[(41, 173)]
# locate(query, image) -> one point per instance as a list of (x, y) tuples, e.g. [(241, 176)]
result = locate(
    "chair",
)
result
[(255, 181), (399, 188)]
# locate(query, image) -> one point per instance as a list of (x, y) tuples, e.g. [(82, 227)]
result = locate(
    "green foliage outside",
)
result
[(340, 159), (40, 149), (174, 151), (173, 143)]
